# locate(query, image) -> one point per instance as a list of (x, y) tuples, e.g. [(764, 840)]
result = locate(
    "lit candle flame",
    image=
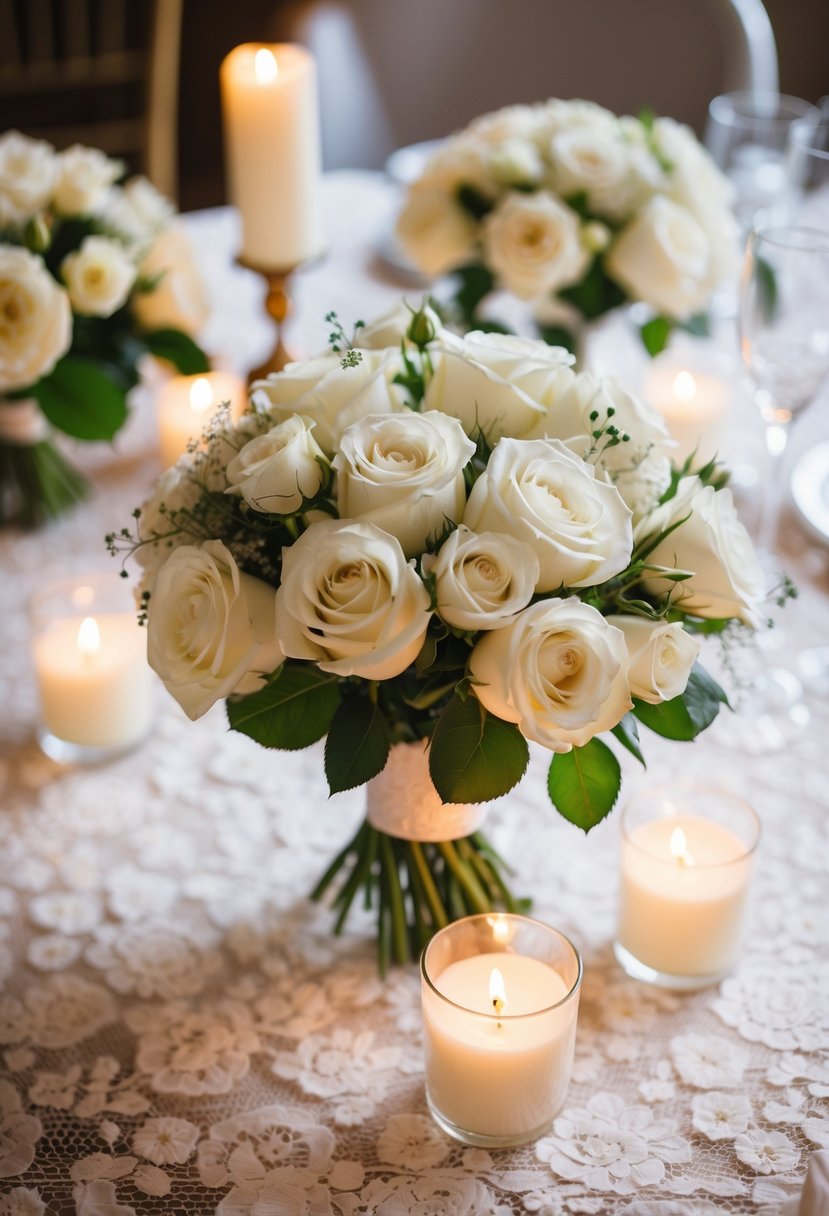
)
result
[(265, 66), (685, 387), (679, 848), (89, 636), (497, 991), (201, 395)]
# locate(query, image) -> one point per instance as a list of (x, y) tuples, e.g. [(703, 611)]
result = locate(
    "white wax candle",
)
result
[(272, 138), (96, 688), (694, 405), (684, 881), (504, 1075), (185, 405)]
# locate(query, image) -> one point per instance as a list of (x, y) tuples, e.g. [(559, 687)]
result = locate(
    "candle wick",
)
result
[(497, 1004)]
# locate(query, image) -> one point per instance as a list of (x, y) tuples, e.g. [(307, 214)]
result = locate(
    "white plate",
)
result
[(810, 490)]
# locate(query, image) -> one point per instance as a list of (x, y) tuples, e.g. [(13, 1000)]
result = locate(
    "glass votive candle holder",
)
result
[(500, 1002), (686, 862), (90, 656)]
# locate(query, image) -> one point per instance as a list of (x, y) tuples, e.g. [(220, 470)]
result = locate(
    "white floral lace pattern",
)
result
[(180, 1031)]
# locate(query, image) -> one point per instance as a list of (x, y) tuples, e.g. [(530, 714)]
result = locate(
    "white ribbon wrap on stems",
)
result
[(22, 423), (402, 802)]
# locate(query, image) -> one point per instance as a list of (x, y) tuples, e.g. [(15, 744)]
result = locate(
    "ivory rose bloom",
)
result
[(137, 212), (593, 158), (499, 383), (435, 231), (533, 243), (276, 472), (84, 178), (660, 657), (664, 258), (211, 629), (727, 580), (176, 490), (558, 671), (351, 601), (35, 319), (98, 276), (179, 299), (330, 395), (482, 580), (27, 171), (405, 474), (539, 492)]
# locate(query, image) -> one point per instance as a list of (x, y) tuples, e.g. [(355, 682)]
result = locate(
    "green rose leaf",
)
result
[(655, 334), (179, 349), (475, 756), (584, 783), (557, 335), (473, 283), (595, 294), (627, 732), (686, 716), (357, 746), (474, 201), (292, 711), (78, 398)]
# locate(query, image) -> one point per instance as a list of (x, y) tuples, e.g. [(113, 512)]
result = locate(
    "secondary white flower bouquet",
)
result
[(568, 206), (92, 276), (456, 544)]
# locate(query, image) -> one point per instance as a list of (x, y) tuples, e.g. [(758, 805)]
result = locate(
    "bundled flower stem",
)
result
[(37, 484)]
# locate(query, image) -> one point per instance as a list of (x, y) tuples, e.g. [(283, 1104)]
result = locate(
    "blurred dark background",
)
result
[(396, 71)]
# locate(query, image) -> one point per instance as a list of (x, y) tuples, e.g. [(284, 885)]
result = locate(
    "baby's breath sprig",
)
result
[(339, 341), (604, 435)]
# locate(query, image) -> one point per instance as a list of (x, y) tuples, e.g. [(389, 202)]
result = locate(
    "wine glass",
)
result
[(808, 167)]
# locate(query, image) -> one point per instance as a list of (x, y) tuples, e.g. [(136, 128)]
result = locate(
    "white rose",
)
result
[(27, 171), (351, 601), (211, 628), (713, 545), (496, 382), (593, 159), (516, 162), (137, 212), (175, 491), (392, 327), (533, 243), (558, 671), (664, 258), (84, 179), (331, 395), (404, 473), (542, 493), (278, 471), (510, 122), (436, 233), (179, 301), (644, 482), (461, 160), (35, 319), (482, 579), (98, 276), (660, 657)]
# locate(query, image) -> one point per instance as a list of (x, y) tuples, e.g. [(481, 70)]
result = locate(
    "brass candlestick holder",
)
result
[(278, 308)]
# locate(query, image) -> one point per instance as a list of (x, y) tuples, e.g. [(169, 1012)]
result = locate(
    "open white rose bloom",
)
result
[(366, 556), (575, 210)]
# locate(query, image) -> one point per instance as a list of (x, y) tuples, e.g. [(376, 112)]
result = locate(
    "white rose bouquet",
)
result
[(92, 276), (458, 545), (576, 210)]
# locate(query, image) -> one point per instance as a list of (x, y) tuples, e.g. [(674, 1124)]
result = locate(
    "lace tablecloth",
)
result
[(179, 1032)]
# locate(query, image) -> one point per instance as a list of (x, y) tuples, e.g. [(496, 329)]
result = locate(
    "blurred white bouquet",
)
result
[(441, 548), (92, 276), (568, 206)]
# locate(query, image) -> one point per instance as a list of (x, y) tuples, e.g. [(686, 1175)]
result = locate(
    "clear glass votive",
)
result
[(90, 656), (685, 868), (500, 1002)]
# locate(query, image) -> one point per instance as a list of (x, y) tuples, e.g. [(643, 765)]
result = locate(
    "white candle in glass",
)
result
[(185, 405), (499, 1028), (272, 140), (694, 405)]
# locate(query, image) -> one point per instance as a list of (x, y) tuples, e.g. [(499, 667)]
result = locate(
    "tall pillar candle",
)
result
[(272, 144)]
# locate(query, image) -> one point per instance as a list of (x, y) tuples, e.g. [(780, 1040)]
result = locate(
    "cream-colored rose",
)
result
[(404, 473), (660, 657), (461, 160), (98, 276), (644, 482), (83, 181), (726, 577), (664, 258), (436, 233), (510, 122), (392, 327), (533, 243), (211, 628), (482, 579), (593, 160), (331, 395), (557, 670), (35, 319), (27, 171), (137, 212), (160, 523), (497, 383), (351, 601), (179, 300), (543, 494), (280, 470), (516, 162)]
